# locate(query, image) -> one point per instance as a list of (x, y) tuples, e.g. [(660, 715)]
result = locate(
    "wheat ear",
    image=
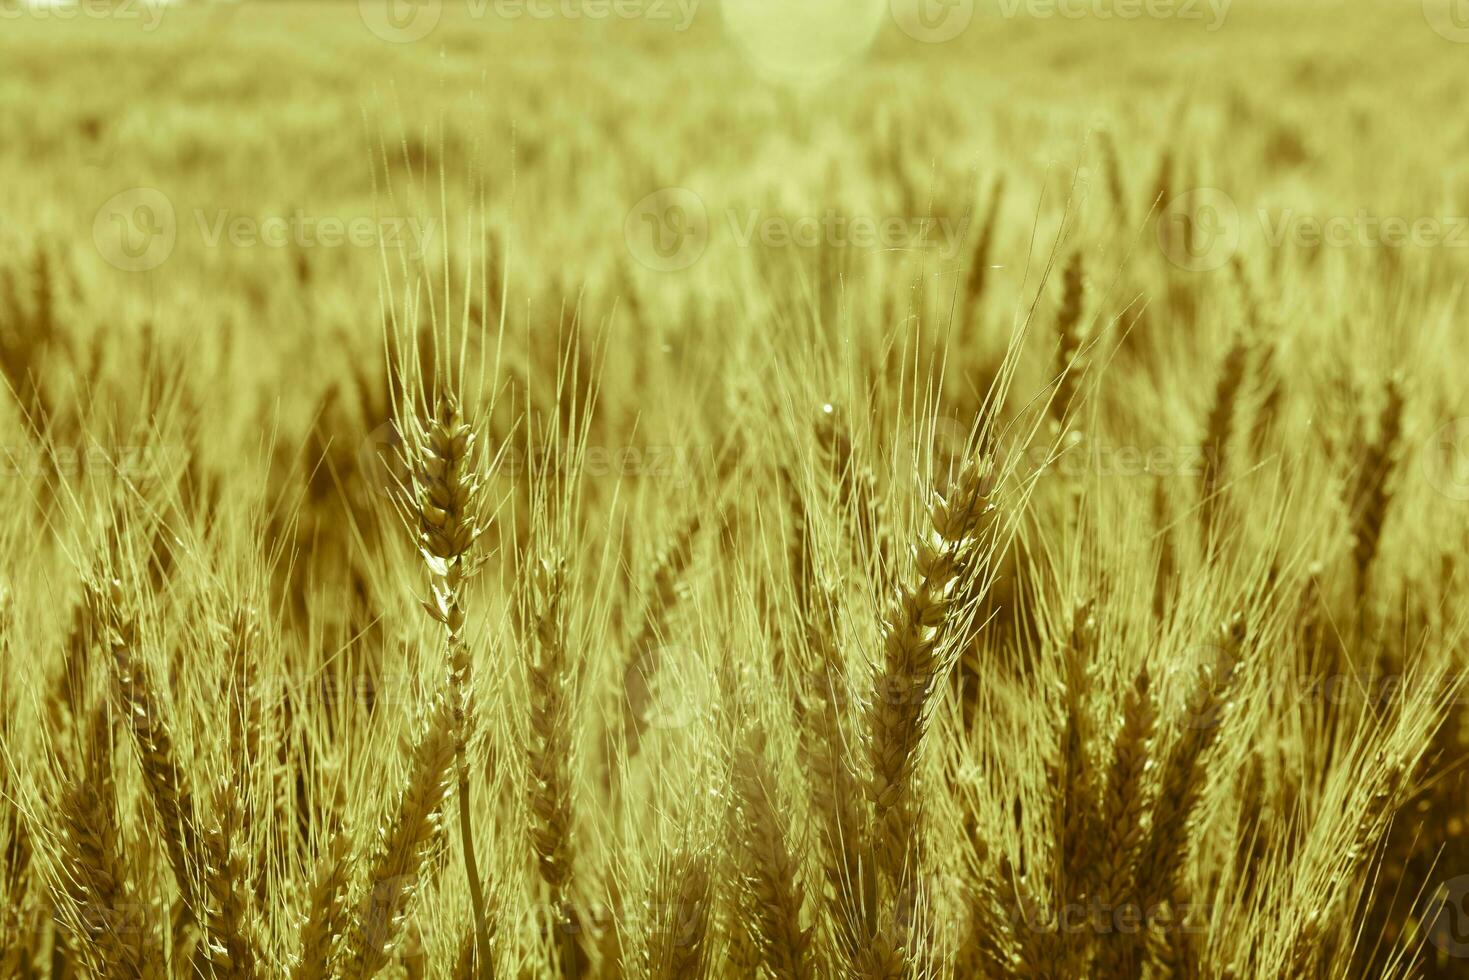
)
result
[(1181, 783), (979, 260), (1071, 771), (677, 950), (1073, 786), (858, 493), (1123, 809), (924, 614), (548, 752), (1112, 168), (1166, 573), (326, 917), (412, 829), (824, 748), (98, 896), (1072, 339), (1219, 429), (1375, 493), (168, 786), (448, 528), (771, 892), (645, 656), (230, 942), (993, 945)]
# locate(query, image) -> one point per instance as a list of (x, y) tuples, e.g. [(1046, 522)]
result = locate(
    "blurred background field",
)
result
[(267, 111)]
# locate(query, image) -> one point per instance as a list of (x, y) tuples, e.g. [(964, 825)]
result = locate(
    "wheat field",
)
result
[(677, 489)]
